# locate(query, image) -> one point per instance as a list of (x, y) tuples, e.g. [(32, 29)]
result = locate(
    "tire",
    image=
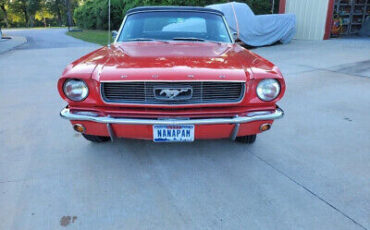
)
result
[(96, 139), (247, 139)]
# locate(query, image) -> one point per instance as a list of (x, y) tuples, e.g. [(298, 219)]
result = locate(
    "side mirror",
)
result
[(235, 36), (114, 34)]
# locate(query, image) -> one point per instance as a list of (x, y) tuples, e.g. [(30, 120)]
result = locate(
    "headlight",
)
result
[(76, 90), (268, 89)]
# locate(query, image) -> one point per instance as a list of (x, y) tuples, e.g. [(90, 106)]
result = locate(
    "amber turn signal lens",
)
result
[(265, 127), (79, 128)]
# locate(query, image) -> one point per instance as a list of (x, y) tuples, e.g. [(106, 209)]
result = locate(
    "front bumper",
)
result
[(252, 116), (256, 117)]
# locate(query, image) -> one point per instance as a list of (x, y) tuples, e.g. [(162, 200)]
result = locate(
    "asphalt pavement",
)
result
[(310, 171), (9, 43)]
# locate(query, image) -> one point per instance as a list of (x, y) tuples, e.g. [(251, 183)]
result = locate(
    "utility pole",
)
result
[(69, 15), (109, 34)]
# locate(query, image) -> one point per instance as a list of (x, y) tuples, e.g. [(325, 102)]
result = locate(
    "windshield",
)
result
[(179, 26)]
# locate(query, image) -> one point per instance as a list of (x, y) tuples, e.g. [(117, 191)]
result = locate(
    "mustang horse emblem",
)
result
[(172, 93)]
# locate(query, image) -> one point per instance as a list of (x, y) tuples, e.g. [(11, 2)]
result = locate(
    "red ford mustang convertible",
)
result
[(173, 74)]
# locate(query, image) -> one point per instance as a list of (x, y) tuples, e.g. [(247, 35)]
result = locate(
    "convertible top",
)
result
[(173, 8)]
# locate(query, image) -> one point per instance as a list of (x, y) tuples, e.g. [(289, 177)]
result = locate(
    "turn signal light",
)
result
[(79, 128), (265, 127)]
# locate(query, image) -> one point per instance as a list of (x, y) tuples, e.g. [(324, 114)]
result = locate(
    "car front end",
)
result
[(175, 87)]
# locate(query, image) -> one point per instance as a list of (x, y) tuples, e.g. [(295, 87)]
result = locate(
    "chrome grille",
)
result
[(143, 92)]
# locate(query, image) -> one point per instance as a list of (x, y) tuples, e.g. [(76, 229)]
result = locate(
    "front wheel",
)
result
[(96, 139), (247, 139)]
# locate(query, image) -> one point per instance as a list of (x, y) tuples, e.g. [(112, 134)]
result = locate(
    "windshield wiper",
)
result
[(188, 39)]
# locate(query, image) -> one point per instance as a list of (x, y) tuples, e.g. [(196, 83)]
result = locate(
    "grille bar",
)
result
[(143, 92)]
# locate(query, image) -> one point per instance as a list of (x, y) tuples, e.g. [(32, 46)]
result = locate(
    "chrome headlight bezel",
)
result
[(268, 89), (75, 89)]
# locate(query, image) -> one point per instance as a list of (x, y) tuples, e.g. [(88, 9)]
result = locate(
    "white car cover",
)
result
[(257, 30)]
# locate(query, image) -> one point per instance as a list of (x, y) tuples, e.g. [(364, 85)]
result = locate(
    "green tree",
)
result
[(260, 6), (28, 8), (4, 8), (44, 14), (19, 7), (93, 14), (57, 8), (32, 7), (69, 13)]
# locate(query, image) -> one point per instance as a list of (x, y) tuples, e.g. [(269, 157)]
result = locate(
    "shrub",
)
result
[(93, 14)]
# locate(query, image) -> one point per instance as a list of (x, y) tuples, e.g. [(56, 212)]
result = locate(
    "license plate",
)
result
[(169, 133)]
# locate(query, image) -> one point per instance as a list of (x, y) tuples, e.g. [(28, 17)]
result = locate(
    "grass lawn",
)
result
[(94, 36)]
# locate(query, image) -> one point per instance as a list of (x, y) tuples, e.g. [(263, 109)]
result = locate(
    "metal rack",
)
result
[(352, 13)]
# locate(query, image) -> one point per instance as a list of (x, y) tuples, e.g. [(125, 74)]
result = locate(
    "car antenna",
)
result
[(109, 35)]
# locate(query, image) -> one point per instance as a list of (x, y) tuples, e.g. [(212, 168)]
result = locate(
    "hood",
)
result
[(176, 61), (167, 61)]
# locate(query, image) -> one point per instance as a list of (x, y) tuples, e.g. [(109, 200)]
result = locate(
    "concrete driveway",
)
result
[(311, 171)]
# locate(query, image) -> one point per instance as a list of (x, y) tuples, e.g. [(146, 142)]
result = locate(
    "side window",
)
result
[(128, 27), (222, 27)]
